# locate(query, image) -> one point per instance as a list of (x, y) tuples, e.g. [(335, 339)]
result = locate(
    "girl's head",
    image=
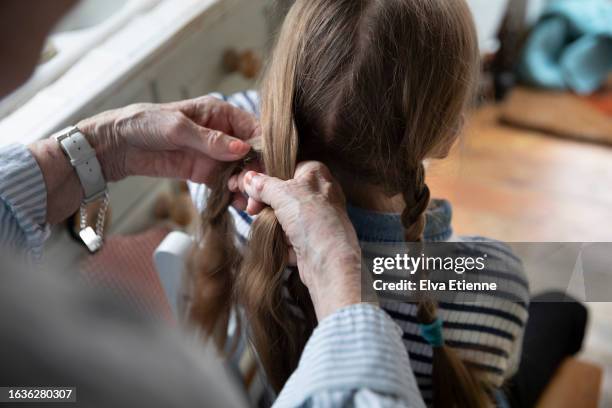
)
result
[(371, 88)]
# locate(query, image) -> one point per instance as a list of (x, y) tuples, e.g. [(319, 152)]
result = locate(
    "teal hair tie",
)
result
[(433, 333)]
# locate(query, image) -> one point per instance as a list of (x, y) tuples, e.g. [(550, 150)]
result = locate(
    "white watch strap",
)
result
[(83, 158)]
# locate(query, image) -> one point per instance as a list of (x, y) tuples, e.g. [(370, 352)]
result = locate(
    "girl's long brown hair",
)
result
[(371, 88)]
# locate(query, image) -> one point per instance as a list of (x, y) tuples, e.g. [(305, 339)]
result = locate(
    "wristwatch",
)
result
[(83, 158)]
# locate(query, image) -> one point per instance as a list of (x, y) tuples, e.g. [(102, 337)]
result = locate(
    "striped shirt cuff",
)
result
[(24, 195), (357, 348)]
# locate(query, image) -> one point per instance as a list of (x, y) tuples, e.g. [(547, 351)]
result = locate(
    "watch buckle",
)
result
[(92, 241)]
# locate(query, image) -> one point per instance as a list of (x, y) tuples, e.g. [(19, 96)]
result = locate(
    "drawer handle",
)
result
[(246, 63)]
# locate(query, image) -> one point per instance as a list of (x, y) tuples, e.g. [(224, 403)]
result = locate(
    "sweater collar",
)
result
[(372, 226)]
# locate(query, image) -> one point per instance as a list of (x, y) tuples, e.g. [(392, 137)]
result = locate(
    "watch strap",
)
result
[(83, 158)]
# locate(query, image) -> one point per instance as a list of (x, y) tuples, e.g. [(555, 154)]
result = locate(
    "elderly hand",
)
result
[(311, 208), (186, 139)]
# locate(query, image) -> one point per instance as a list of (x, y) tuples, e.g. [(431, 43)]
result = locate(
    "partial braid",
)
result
[(454, 385), (417, 198), (214, 263), (215, 259)]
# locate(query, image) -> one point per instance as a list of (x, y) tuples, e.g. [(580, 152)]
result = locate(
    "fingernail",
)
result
[(248, 178), (249, 208), (256, 181), (239, 147)]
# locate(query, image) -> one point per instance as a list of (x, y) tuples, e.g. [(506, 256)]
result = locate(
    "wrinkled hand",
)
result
[(311, 208), (186, 139)]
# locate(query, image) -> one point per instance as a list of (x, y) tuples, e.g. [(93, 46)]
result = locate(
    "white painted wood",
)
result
[(72, 39), (173, 37)]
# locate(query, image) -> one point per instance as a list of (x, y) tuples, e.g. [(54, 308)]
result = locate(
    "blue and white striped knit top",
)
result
[(487, 335)]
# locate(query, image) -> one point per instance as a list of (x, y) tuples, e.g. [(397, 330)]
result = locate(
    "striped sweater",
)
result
[(23, 202), (487, 334)]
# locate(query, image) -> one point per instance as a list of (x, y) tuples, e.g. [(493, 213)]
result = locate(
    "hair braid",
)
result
[(417, 200), (454, 384)]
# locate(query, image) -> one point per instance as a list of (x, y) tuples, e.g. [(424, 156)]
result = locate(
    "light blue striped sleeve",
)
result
[(354, 358), (23, 201)]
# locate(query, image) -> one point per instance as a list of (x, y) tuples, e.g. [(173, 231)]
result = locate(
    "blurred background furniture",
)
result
[(576, 384), (561, 114)]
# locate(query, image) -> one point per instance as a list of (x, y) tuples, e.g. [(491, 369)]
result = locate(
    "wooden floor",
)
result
[(517, 185)]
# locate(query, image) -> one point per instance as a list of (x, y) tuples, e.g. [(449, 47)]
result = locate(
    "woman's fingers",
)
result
[(254, 207), (216, 144), (262, 188), (256, 190), (236, 182), (236, 185), (214, 113), (239, 202), (313, 168), (233, 185)]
